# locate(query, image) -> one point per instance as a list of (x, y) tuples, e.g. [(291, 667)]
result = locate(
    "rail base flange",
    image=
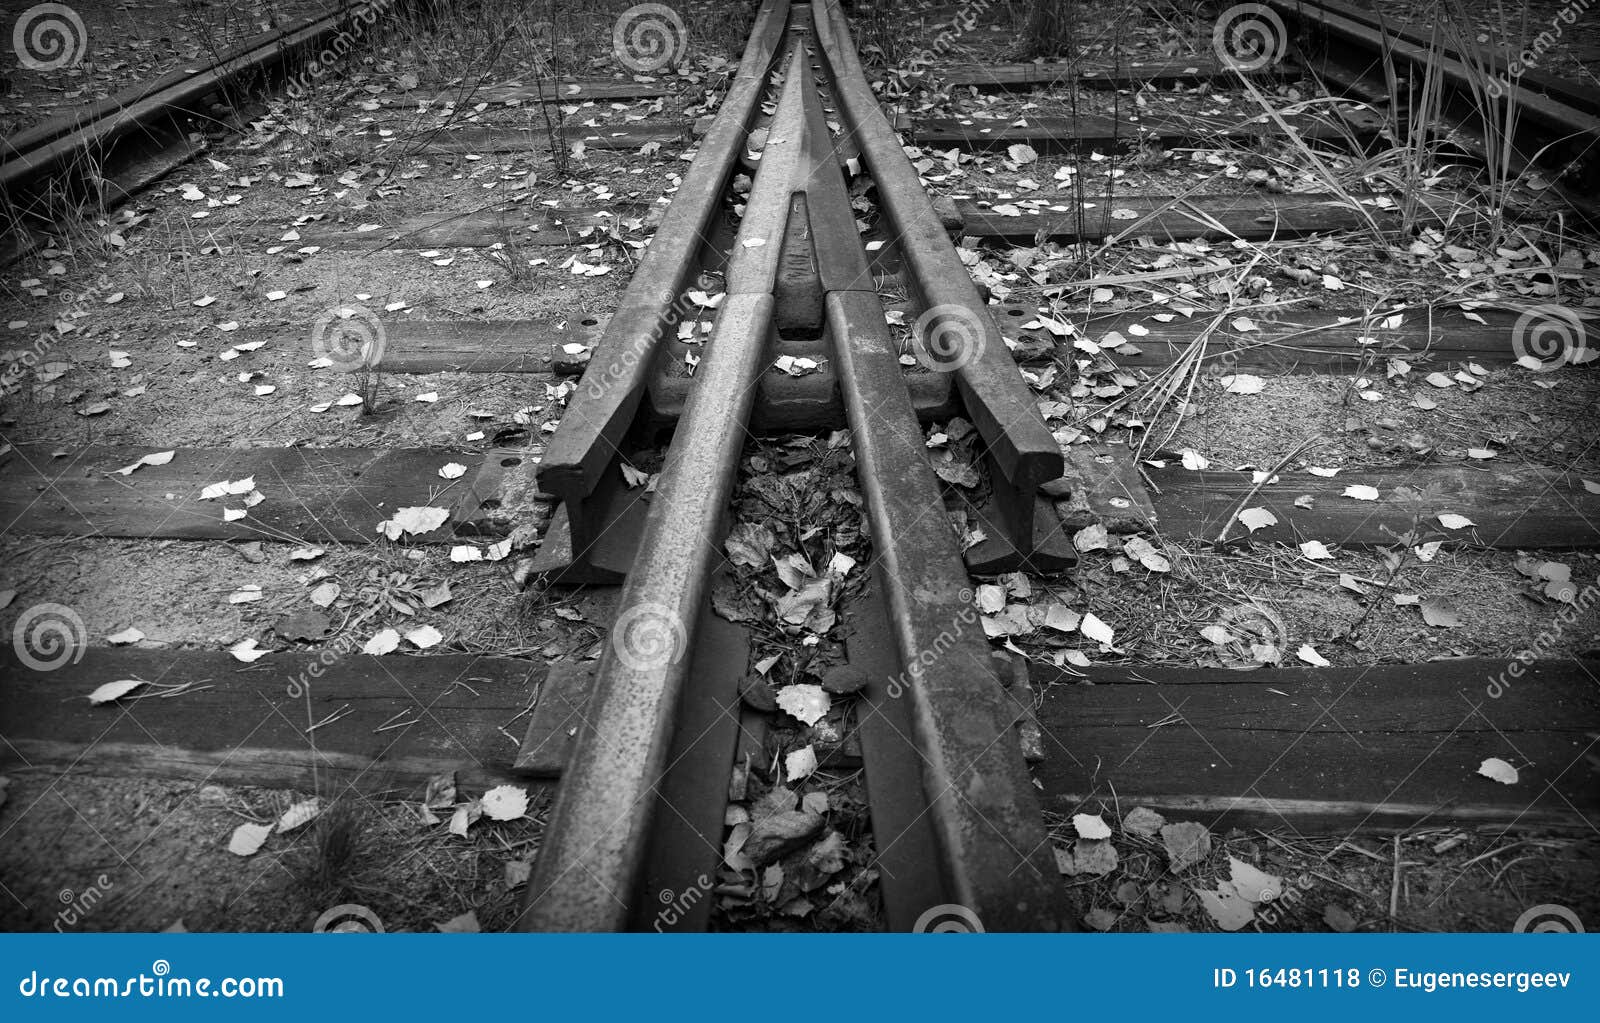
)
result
[(1050, 551)]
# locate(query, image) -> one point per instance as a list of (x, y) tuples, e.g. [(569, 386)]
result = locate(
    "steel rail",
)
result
[(1531, 79), (1549, 130), (996, 398), (601, 411), (589, 870), (46, 148), (994, 858)]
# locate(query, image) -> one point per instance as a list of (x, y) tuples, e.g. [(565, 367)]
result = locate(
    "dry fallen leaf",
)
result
[(1229, 910), (1439, 614), (505, 803), (424, 636), (1186, 842), (1498, 770), (1257, 518), (1252, 883), (800, 764), (299, 815), (159, 458), (248, 838), (1093, 628), (1309, 654), (466, 923), (807, 703), (114, 690), (1090, 825), (384, 642), (413, 521), (246, 650)]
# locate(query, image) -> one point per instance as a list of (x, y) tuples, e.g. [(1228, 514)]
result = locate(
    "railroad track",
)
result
[(105, 152), (655, 755), (797, 266)]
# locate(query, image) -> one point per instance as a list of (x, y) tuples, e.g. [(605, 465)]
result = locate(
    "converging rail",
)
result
[(969, 790), (849, 653)]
